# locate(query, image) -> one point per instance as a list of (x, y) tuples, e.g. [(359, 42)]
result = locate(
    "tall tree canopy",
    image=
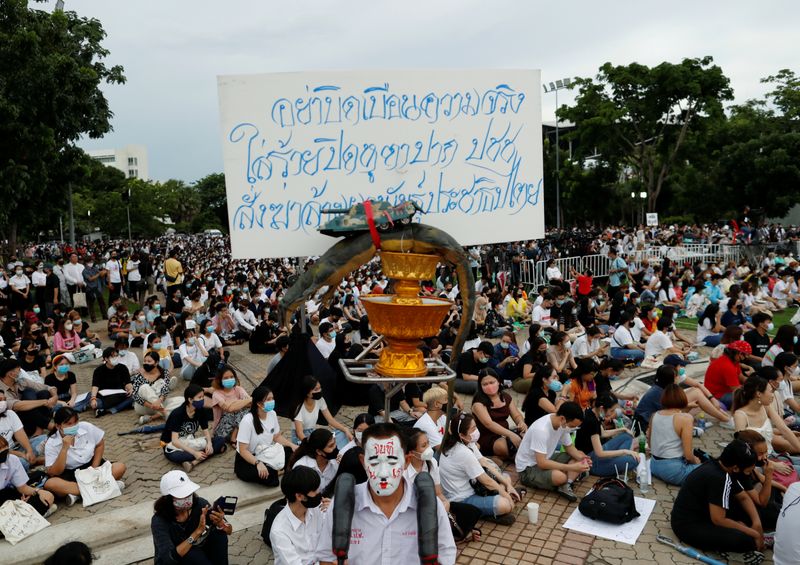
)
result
[(51, 69), (638, 118)]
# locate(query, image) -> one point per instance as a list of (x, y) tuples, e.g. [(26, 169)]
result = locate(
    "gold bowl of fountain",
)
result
[(405, 318)]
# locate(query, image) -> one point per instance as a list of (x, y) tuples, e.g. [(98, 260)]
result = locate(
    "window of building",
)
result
[(133, 161), (106, 158), (133, 173)]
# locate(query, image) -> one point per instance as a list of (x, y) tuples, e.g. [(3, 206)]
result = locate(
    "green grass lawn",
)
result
[(779, 319)]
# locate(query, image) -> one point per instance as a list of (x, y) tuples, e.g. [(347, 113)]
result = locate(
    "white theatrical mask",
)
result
[(385, 462)]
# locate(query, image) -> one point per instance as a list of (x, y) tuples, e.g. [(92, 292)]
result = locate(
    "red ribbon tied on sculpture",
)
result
[(373, 230)]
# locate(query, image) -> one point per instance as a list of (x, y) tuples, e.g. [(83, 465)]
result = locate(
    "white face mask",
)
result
[(427, 454), (358, 436), (384, 460), (475, 435)]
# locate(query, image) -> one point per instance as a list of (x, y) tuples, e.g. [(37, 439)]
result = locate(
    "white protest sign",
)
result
[(466, 146), (652, 219)]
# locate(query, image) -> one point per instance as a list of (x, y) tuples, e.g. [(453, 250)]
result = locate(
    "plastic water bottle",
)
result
[(701, 421)]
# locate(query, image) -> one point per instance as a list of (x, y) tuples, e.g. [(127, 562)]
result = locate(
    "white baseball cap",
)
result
[(178, 484)]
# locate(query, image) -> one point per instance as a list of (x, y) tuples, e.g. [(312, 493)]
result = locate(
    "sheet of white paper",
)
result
[(625, 533), (81, 397), (111, 391)]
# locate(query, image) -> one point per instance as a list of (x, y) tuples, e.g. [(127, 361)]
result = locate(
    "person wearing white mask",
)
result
[(461, 465), (192, 351), (112, 390), (20, 286), (385, 522), (186, 529)]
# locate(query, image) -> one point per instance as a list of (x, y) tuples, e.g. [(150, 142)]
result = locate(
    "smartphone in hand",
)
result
[(226, 504)]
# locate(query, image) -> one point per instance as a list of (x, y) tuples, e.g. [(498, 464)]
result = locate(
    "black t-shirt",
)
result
[(114, 378), (32, 366), (53, 283), (62, 387), (589, 427), (602, 384), (759, 343), (180, 422), (467, 365), (530, 406), (708, 484)]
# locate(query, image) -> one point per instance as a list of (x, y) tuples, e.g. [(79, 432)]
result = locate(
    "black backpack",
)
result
[(269, 517), (610, 500)]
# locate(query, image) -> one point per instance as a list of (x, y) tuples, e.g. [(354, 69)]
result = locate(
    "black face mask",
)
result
[(316, 395), (4, 456), (332, 455), (148, 367), (312, 501)]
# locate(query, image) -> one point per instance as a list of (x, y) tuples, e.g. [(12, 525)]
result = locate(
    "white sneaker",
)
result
[(143, 420), (53, 507), (727, 425), (72, 499), (121, 485)]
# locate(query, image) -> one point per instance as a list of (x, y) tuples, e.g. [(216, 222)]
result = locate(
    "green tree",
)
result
[(51, 69), (213, 203), (638, 118)]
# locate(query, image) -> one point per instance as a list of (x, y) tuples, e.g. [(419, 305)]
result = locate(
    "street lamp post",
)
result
[(642, 197), (555, 87), (60, 8)]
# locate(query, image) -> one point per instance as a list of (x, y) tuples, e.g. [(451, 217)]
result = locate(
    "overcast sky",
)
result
[(173, 50)]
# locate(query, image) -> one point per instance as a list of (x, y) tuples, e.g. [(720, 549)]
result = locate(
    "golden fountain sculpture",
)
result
[(405, 318)]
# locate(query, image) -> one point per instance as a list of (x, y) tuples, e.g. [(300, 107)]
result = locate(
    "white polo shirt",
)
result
[(81, 452), (295, 542), (325, 476), (378, 540), (457, 468), (434, 430), (12, 473), (540, 438)]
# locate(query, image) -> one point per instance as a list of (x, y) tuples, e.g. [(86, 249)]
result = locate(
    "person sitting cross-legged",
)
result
[(538, 463)]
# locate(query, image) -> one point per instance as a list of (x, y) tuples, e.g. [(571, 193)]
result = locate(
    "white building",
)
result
[(131, 160)]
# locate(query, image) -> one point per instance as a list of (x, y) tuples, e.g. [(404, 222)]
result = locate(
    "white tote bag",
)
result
[(271, 455), (18, 520), (97, 484), (79, 300)]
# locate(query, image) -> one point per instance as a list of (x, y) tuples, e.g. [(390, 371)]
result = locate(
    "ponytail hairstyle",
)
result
[(459, 424), (316, 441), (750, 437), (748, 391), (259, 396)]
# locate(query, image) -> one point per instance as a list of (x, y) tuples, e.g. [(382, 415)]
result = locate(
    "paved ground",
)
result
[(522, 543)]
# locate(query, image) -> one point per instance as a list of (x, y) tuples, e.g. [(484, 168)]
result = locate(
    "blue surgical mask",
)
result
[(269, 405), (770, 327), (70, 430), (198, 404), (157, 346), (210, 329), (333, 335), (555, 386), (63, 369), (504, 345), (228, 383)]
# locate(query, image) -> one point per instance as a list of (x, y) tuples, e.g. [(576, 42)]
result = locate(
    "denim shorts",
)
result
[(486, 504)]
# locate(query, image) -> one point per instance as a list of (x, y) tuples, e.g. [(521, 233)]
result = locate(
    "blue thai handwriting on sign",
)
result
[(465, 147)]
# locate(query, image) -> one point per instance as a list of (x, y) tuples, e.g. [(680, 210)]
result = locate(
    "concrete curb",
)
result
[(123, 536)]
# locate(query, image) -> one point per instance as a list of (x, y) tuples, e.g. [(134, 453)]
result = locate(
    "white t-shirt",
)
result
[(211, 341), (541, 316), (456, 469), (787, 542), (133, 270), (540, 438), (583, 347), (636, 331), (81, 452), (704, 329), (114, 271), (295, 542), (9, 425), (657, 344), (779, 290), (38, 278), (434, 430), (622, 336), (554, 273), (247, 432), (326, 347), (20, 282), (309, 419), (130, 360)]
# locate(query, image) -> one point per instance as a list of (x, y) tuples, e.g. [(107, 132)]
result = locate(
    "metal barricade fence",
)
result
[(534, 273)]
